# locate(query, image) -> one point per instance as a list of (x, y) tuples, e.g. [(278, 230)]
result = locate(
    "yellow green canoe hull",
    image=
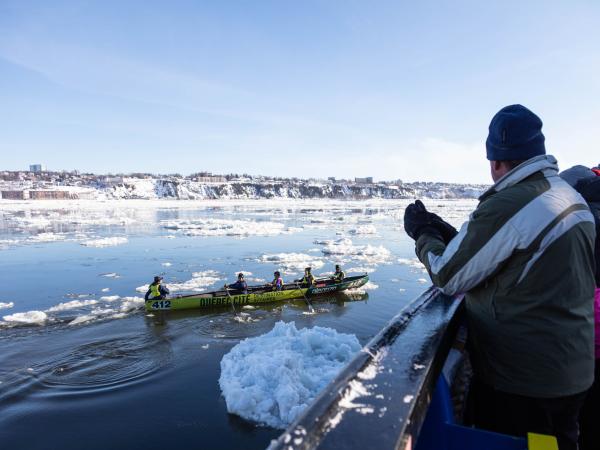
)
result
[(220, 298), (195, 302)]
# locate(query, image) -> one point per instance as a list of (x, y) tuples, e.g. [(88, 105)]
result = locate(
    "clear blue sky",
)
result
[(397, 89)]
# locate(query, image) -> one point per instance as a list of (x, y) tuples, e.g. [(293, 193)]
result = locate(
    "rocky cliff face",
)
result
[(187, 190)]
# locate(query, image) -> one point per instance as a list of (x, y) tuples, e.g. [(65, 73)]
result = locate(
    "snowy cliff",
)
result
[(189, 190)]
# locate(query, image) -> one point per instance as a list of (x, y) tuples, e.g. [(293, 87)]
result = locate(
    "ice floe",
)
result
[(345, 247), (364, 229), (105, 242), (198, 282), (271, 379), (47, 237), (110, 275), (292, 261), (6, 305), (74, 304), (225, 227), (361, 269), (413, 263), (27, 318)]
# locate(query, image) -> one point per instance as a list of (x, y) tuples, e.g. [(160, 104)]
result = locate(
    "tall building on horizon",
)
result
[(37, 168)]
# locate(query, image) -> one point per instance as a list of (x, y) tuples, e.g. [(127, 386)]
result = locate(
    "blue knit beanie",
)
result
[(515, 134)]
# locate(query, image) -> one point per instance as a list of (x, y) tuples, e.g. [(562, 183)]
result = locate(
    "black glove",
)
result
[(417, 220), (447, 231)]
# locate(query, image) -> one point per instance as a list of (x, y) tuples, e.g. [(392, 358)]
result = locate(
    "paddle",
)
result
[(229, 295), (310, 306)]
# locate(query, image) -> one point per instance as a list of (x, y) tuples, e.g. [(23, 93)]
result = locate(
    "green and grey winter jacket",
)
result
[(525, 262)]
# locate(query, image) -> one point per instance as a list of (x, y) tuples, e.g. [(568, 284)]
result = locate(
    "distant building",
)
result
[(14, 195), (211, 179), (365, 180), (37, 168)]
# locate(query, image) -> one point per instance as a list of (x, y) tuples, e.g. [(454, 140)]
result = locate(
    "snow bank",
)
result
[(272, 378), (105, 242)]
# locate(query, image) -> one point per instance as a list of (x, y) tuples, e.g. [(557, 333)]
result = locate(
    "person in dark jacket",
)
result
[(156, 290), (525, 263), (240, 285), (587, 182), (308, 279), (339, 274)]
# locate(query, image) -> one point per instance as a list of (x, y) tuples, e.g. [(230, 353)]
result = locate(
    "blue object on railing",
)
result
[(439, 432)]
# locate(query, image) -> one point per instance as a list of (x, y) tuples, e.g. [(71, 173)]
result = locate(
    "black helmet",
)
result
[(277, 273), (337, 266), (157, 278), (308, 269), (240, 275)]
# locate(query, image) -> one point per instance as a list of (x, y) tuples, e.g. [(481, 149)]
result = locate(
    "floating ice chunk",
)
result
[(413, 263), (6, 305), (5, 243), (364, 229), (131, 303), (345, 247), (245, 272), (271, 378), (197, 283), (166, 264), (27, 318), (292, 261), (110, 275), (110, 298), (105, 289), (370, 286), (105, 242), (361, 269), (47, 237), (224, 227), (94, 314), (422, 280), (82, 319), (74, 304)]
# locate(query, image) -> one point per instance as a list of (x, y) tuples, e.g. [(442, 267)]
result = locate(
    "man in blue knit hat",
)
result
[(525, 262)]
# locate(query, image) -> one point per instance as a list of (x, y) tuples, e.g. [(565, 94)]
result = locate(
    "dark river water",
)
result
[(82, 365)]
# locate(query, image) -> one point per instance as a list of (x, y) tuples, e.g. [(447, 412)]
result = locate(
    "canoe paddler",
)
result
[(240, 285), (339, 274), (308, 279), (157, 291), (277, 283)]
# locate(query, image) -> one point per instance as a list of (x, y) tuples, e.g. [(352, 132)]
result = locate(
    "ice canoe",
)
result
[(255, 295)]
